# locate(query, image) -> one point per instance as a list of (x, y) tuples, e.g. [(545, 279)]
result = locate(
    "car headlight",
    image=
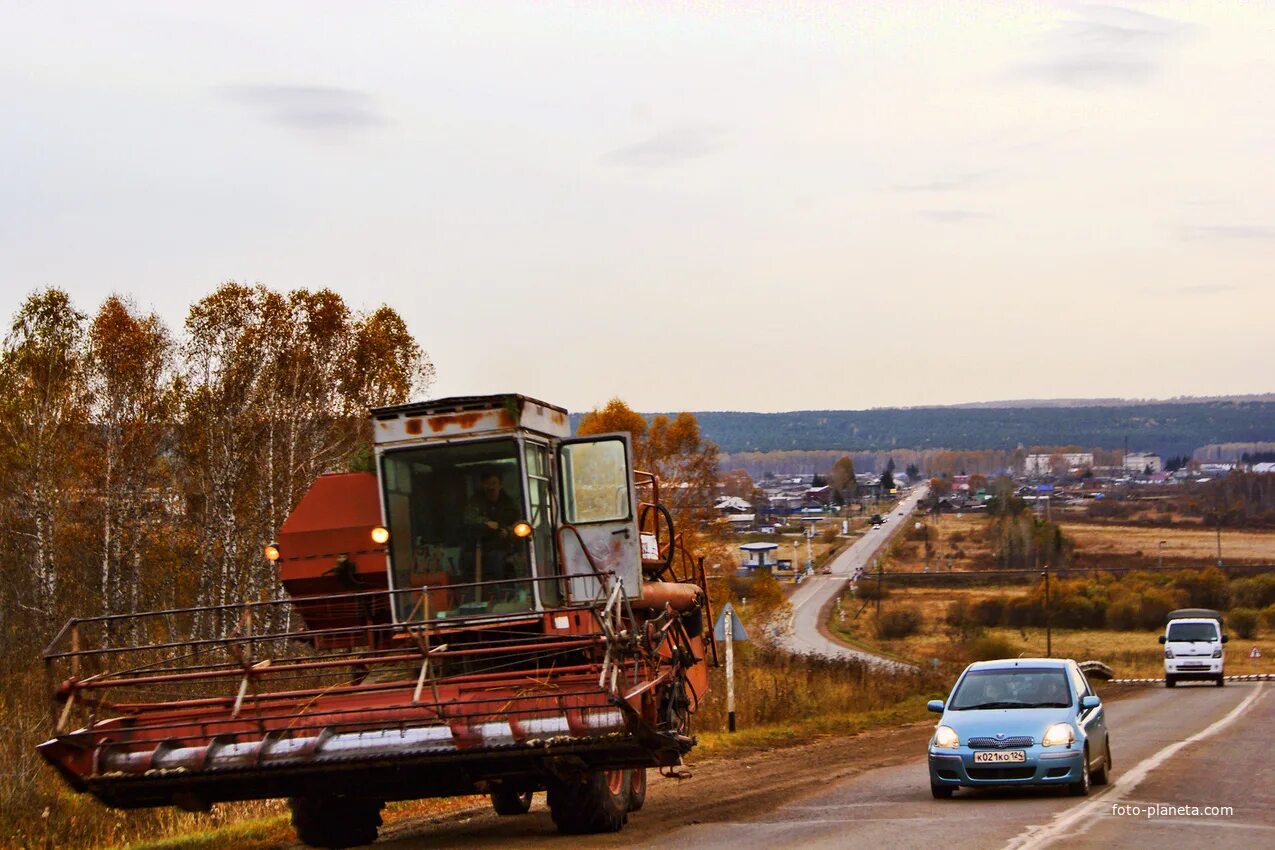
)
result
[(1217, 653), (945, 737), (1168, 653), (1058, 735)]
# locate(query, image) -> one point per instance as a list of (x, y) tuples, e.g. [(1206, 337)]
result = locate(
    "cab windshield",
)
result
[(1192, 631), (451, 512), (1013, 688)]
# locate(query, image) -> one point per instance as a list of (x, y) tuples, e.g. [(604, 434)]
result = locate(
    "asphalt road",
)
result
[(1230, 765), (802, 633)]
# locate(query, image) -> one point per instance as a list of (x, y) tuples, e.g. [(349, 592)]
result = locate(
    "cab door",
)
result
[(598, 538)]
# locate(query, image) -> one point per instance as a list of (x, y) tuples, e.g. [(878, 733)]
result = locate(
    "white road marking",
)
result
[(1063, 824)]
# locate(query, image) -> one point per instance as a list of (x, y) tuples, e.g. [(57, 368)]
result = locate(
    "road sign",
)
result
[(737, 626), (1254, 653)]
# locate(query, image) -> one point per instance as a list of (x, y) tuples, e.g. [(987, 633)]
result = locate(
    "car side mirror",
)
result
[(1162, 638), (1226, 638), (935, 705), (1089, 702)]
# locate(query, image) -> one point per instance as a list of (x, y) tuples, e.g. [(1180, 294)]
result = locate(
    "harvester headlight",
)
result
[(380, 535), (272, 551), (1058, 735), (945, 737), (522, 529)]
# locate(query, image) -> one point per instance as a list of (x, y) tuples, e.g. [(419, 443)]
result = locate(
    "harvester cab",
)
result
[(500, 609)]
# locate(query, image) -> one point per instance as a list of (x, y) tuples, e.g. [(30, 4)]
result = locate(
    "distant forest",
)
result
[(1165, 428)]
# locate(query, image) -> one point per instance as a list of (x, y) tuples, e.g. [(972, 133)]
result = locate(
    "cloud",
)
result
[(1228, 231), (314, 109), (951, 183), (670, 147), (1104, 46), (1205, 289), (952, 216)]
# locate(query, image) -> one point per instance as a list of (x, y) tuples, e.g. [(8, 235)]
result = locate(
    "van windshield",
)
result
[(1192, 631)]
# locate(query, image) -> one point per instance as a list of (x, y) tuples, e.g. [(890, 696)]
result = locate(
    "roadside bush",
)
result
[(1206, 588), (1267, 618), (1254, 592), (1244, 622), (989, 648), (1077, 612), (870, 589), (958, 612), (897, 623), (1142, 609), (988, 612), (1024, 611)]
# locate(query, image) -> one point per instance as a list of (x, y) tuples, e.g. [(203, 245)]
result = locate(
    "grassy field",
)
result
[(1132, 654), (957, 541), (1181, 545)]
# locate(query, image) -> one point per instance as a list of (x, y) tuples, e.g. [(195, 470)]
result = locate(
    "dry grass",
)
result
[(1181, 545), (1133, 654)]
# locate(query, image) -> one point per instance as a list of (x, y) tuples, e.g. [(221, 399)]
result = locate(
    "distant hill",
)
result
[(1110, 402), (1165, 427)]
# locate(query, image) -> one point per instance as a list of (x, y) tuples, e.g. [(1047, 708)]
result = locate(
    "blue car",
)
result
[(1020, 721)]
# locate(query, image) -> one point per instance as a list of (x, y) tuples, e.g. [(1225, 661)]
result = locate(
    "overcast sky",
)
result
[(722, 205)]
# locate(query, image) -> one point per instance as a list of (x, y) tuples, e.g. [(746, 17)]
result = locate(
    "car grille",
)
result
[(1001, 743), (1001, 772)]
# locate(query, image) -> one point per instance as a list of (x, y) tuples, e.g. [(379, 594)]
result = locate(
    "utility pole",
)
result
[(1219, 541), (880, 585), (1049, 635), (728, 624)]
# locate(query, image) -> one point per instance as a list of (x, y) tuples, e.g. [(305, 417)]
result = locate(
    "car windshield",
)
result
[(1192, 631), (1018, 687)]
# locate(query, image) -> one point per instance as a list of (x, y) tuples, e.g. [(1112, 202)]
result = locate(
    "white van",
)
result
[(1193, 641)]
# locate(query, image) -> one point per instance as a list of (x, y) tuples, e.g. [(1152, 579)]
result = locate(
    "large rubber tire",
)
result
[(637, 788), (941, 792), (1102, 775), (506, 802), (1081, 788), (335, 822), (599, 802)]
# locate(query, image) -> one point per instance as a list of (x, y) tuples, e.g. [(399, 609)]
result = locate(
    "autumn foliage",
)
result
[(142, 468)]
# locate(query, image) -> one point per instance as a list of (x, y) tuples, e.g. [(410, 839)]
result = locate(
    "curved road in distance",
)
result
[(802, 634)]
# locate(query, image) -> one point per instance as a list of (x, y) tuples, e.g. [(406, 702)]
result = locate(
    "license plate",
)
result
[(1000, 756)]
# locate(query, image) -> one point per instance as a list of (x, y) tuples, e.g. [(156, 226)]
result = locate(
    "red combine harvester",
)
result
[(501, 609)]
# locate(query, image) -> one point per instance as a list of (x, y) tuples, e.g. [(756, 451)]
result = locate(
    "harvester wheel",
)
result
[(599, 802), (335, 822), (637, 788), (507, 801)]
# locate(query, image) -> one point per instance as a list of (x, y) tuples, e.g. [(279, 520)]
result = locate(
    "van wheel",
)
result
[(1221, 680), (1169, 681)]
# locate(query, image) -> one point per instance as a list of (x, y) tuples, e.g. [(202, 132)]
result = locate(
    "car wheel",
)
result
[(1081, 788), (1101, 775), (1169, 681), (941, 792)]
